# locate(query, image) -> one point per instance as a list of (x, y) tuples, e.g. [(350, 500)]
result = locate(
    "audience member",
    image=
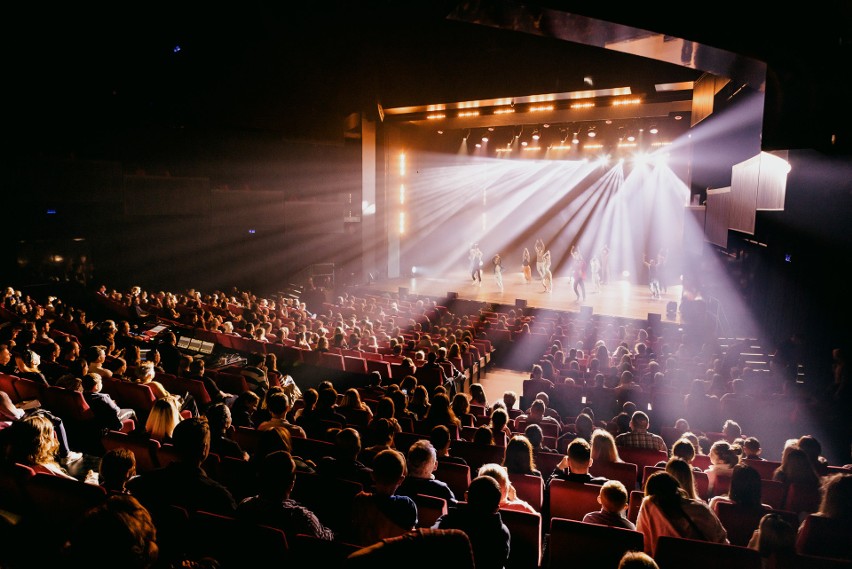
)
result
[(613, 499), (382, 513), (639, 437), (421, 463), (508, 495), (574, 467)]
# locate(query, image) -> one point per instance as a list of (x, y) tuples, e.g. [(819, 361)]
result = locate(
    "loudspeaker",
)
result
[(585, 312), (452, 295), (520, 303), (654, 319), (671, 308)]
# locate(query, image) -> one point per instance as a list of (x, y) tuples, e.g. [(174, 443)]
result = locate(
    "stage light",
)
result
[(536, 135), (654, 129), (413, 270), (484, 139), (631, 137), (591, 133), (576, 139)]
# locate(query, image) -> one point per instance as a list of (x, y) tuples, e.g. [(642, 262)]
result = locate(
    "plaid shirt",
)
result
[(641, 440)]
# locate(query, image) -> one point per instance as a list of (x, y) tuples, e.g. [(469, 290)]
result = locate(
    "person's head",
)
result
[(510, 398), (389, 470), (745, 486), (276, 474), (499, 418), (603, 446), (732, 431), (751, 448), (499, 473), (775, 536), (421, 459), (477, 393), (519, 456), (117, 533), (682, 472), (163, 418), (440, 438), (483, 495), (683, 449), (724, 453), (637, 560), (639, 422), (348, 443), (483, 435), (584, 425), (665, 490), (191, 439), (579, 455), (535, 435), (219, 417), (31, 441), (812, 448), (537, 372), (837, 497), (278, 404), (613, 496), (117, 466)]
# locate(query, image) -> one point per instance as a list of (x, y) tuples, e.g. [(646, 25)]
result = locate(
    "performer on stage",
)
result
[(498, 271), (475, 257), (662, 268), (595, 266), (653, 276), (547, 276), (579, 274), (525, 264), (539, 258), (605, 265)]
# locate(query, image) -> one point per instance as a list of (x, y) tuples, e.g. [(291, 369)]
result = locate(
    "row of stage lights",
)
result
[(438, 113), (628, 141)]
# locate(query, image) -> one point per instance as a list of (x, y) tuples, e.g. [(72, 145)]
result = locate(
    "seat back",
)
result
[(624, 472), (591, 546), (675, 552), (136, 396), (529, 488), (825, 537), (219, 537), (68, 404), (331, 360), (309, 551), (12, 480), (354, 364), (633, 504), (546, 462), (457, 476), (7, 384), (476, 455), (144, 449), (429, 509), (329, 498), (766, 468), (183, 385), (381, 366), (739, 521), (58, 503), (525, 529), (773, 493), (572, 500), (702, 481), (641, 457), (231, 382), (802, 498), (28, 389)]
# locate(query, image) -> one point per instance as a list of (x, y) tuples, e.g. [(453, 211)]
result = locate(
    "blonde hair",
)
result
[(48, 444), (603, 446), (164, 417)]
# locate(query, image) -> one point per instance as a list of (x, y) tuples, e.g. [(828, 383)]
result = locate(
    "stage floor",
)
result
[(619, 298)]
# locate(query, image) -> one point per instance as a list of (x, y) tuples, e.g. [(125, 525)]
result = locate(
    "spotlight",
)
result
[(484, 139), (631, 137), (535, 135), (576, 139), (592, 133), (654, 129)]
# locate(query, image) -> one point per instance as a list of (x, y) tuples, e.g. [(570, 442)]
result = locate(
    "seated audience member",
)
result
[(639, 436), (732, 431), (421, 463), (537, 415), (665, 510), (519, 457), (745, 488), (508, 496), (723, 458), (108, 415), (272, 506), (751, 449), (243, 409), (254, 373), (637, 560), (813, 449), (774, 538), (613, 499), (381, 513), (197, 371), (684, 450), (483, 436), (219, 417), (144, 374), (603, 447), (32, 442), (117, 533), (117, 466), (683, 473), (183, 482), (480, 519), (441, 440), (162, 420), (535, 435), (379, 436), (10, 413), (344, 464), (499, 424), (278, 405), (574, 467)]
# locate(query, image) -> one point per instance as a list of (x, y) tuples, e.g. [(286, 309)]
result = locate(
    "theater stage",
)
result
[(618, 298)]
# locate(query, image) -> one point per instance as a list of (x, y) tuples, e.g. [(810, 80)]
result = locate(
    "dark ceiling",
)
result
[(105, 83)]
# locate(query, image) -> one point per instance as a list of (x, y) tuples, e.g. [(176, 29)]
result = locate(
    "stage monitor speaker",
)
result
[(671, 308), (585, 311), (521, 303), (452, 295), (654, 319), (403, 291)]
